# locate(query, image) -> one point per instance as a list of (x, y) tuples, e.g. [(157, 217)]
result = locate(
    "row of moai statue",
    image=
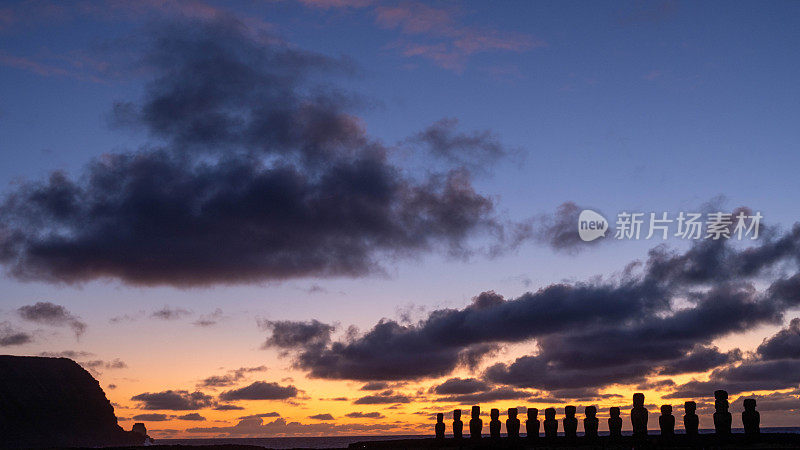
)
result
[(639, 415)]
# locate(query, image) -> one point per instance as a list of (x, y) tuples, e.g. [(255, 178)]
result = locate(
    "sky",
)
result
[(316, 217)]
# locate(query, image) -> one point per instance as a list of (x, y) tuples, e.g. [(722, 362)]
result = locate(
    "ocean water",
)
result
[(344, 441)]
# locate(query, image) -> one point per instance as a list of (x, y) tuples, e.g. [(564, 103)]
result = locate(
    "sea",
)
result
[(344, 441)]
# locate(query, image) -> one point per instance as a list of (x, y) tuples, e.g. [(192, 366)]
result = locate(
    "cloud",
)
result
[(54, 315), (268, 414), (385, 397), (191, 416), (474, 150), (93, 366), (460, 386), (441, 38), (173, 400), (242, 129), (226, 407), (151, 417), (660, 316), (168, 313), (255, 427), (260, 390), (288, 334), (71, 354), (10, 336), (321, 417), (369, 415), (375, 386), (231, 378), (208, 320)]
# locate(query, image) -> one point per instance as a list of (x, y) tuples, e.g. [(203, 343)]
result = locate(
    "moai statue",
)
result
[(139, 428), (458, 425), (722, 417), (550, 423), (691, 423), (639, 415), (751, 419), (512, 424), (532, 424), (494, 424), (590, 423), (439, 426), (570, 422), (475, 423), (667, 421), (614, 423)]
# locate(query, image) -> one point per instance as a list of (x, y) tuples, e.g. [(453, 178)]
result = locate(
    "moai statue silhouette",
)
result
[(532, 424), (512, 424), (494, 424), (550, 423), (722, 417), (590, 423), (667, 421), (475, 423), (458, 425), (639, 415), (439, 426), (751, 419), (691, 423), (614, 422), (570, 422)]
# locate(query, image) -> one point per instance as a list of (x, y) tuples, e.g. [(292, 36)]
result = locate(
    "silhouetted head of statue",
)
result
[(476, 412), (512, 413), (721, 405), (614, 411), (749, 404), (720, 394), (666, 410), (690, 407), (638, 400), (550, 413), (457, 414), (569, 411), (494, 413), (533, 413), (590, 411), (439, 418)]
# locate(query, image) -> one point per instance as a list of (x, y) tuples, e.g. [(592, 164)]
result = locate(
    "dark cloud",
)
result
[(54, 315), (375, 386), (168, 313), (560, 230), (260, 390), (321, 417), (289, 335), (226, 407), (258, 171), (231, 378), (255, 427), (784, 344), (207, 320), (191, 416), (10, 336), (460, 386), (488, 395), (475, 149), (385, 397), (360, 415), (269, 414), (95, 365), (775, 365), (701, 359), (151, 417), (174, 400), (658, 316), (71, 354)]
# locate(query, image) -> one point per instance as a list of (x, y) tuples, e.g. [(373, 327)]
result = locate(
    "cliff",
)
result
[(54, 402)]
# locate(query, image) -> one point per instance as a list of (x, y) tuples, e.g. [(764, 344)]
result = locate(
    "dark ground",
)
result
[(709, 441)]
